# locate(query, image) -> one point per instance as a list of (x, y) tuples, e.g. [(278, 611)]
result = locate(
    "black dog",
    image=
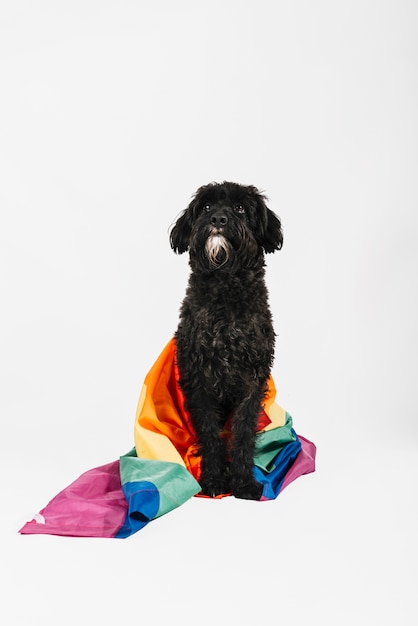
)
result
[(225, 338)]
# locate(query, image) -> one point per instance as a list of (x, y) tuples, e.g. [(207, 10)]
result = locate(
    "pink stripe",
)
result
[(304, 463), (92, 506)]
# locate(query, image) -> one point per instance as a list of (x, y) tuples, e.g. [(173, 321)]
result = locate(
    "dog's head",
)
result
[(227, 225)]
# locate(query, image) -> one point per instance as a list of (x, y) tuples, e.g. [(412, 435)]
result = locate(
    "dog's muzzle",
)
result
[(217, 248)]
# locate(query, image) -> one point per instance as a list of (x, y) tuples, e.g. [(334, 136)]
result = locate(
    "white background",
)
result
[(112, 113)]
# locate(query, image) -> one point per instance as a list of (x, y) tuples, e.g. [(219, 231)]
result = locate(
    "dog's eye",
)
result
[(239, 208), (206, 207)]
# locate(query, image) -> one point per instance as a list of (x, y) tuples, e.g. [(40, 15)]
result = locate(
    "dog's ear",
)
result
[(181, 231), (269, 228), (273, 233)]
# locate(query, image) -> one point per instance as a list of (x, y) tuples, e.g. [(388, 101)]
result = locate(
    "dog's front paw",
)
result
[(247, 490), (215, 486)]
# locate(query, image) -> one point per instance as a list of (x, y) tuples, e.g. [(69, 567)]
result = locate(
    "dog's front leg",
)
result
[(242, 481), (206, 421)]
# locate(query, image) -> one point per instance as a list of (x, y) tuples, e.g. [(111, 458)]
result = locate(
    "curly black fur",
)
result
[(225, 337)]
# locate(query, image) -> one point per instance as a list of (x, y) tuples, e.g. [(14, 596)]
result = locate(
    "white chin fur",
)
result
[(214, 245)]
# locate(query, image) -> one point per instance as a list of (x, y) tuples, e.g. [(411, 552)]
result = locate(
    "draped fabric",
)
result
[(162, 471)]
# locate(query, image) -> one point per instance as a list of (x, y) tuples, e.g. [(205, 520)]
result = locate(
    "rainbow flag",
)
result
[(162, 471)]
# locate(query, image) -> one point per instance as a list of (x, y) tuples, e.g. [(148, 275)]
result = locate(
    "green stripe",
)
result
[(174, 483), (270, 442)]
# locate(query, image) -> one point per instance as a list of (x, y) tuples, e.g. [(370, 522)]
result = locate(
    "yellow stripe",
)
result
[(276, 414), (155, 446), (152, 445)]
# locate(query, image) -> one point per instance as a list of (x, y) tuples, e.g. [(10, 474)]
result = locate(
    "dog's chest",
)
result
[(224, 341)]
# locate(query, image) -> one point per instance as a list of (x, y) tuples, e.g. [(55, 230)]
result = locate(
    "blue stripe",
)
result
[(143, 500), (274, 479)]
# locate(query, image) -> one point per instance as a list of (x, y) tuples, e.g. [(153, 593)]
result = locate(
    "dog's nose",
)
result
[(218, 220)]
